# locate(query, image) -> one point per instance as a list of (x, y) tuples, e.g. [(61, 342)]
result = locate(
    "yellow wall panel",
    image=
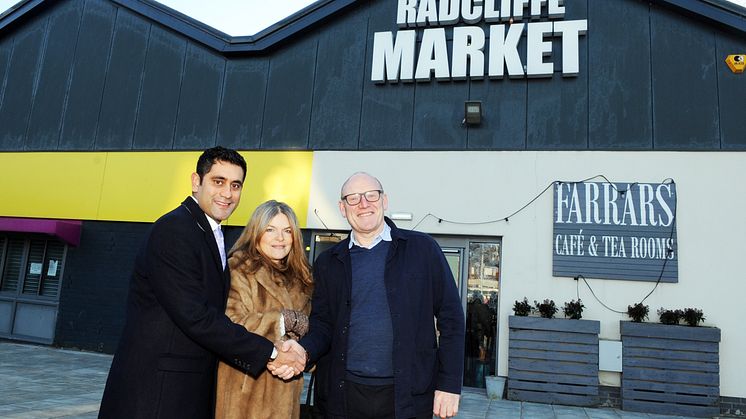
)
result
[(281, 175), (144, 186), (139, 186), (51, 185)]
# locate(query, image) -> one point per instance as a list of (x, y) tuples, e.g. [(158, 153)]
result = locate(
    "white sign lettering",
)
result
[(616, 231), (395, 54)]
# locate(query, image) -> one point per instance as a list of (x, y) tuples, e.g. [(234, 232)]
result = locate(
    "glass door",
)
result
[(475, 263), (482, 290), (454, 258)]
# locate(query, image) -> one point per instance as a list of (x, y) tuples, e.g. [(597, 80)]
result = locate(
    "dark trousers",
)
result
[(372, 402)]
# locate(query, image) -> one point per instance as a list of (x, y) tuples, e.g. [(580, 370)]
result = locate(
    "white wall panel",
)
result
[(482, 186)]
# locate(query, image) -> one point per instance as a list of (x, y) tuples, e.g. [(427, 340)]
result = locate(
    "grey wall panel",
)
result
[(88, 76), (54, 79), (386, 121), (20, 86), (116, 123), (650, 77), (159, 101), (199, 101), (503, 124), (504, 108), (731, 94), (338, 87), (684, 83), (438, 112), (242, 109), (620, 113), (287, 110), (387, 117), (6, 49), (35, 321), (557, 112), (6, 316)]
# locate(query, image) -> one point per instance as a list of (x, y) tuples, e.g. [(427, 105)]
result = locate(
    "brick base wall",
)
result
[(733, 406), (729, 406), (610, 396), (95, 284)]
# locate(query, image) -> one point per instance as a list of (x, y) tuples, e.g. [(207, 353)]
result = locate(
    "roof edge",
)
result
[(222, 42), (730, 15), (17, 11)]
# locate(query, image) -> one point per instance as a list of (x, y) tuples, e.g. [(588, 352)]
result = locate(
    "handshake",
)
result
[(291, 360)]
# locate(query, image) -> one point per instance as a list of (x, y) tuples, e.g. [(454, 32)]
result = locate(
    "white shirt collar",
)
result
[(214, 225), (384, 235)]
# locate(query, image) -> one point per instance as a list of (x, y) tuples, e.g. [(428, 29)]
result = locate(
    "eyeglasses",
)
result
[(370, 196)]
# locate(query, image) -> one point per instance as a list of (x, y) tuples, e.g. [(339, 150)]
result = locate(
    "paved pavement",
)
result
[(43, 382)]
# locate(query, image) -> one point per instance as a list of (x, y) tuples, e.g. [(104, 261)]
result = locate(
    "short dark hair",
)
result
[(211, 155)]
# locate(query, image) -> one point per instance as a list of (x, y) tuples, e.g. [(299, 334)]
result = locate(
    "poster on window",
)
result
[(52, 269), (34, 268), (615, 231)]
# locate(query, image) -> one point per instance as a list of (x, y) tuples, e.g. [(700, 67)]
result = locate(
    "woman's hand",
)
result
[(296, 323)]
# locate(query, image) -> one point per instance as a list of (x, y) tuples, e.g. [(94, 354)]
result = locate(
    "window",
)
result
[(31, 266), (12, 255)]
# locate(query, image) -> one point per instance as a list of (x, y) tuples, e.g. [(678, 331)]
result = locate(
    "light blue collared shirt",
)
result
[(384, 235)]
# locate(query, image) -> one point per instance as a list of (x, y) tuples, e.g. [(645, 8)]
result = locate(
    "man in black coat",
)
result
[(176, 328)]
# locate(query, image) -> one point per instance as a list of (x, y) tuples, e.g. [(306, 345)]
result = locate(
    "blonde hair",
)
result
[(245, 252)]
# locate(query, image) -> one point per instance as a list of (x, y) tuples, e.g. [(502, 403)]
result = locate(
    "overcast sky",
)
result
[(239, 17)]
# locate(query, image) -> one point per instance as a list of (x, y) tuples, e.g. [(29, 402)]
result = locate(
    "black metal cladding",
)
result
[(110, 75)]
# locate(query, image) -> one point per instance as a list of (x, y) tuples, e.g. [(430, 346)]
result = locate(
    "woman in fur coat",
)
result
[(270, 294)]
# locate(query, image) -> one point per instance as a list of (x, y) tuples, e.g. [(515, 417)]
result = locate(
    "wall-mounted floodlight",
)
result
[(473, 112)]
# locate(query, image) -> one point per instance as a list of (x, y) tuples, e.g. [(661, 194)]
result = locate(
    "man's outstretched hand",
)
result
[(290, 361)]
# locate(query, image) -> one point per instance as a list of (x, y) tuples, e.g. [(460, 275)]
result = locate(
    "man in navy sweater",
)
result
[(372, 325)]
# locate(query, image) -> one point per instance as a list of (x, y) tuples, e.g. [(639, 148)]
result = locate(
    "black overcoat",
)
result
[(175, 328)]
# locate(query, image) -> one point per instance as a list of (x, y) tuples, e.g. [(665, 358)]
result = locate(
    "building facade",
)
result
[(105, 105)]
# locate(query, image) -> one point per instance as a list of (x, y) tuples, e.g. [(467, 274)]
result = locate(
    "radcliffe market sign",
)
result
[(615, 231), (477, 51)]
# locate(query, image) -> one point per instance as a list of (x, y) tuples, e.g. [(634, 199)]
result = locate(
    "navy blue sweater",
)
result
[(371, 335)]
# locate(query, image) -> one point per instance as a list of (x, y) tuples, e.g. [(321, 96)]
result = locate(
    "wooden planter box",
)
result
[(553, 360), (669, 369)]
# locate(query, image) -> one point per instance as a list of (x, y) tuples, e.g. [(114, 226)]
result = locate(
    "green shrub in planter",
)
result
[(574, 309), (670, 316), (638, 312), (546, 309), (693, 316), (522, 308)]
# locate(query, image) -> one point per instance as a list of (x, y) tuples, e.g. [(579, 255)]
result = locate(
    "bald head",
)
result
[(365, 214), (359, 176)]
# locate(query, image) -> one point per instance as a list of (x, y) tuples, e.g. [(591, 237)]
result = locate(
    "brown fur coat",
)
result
[(255, 301)]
